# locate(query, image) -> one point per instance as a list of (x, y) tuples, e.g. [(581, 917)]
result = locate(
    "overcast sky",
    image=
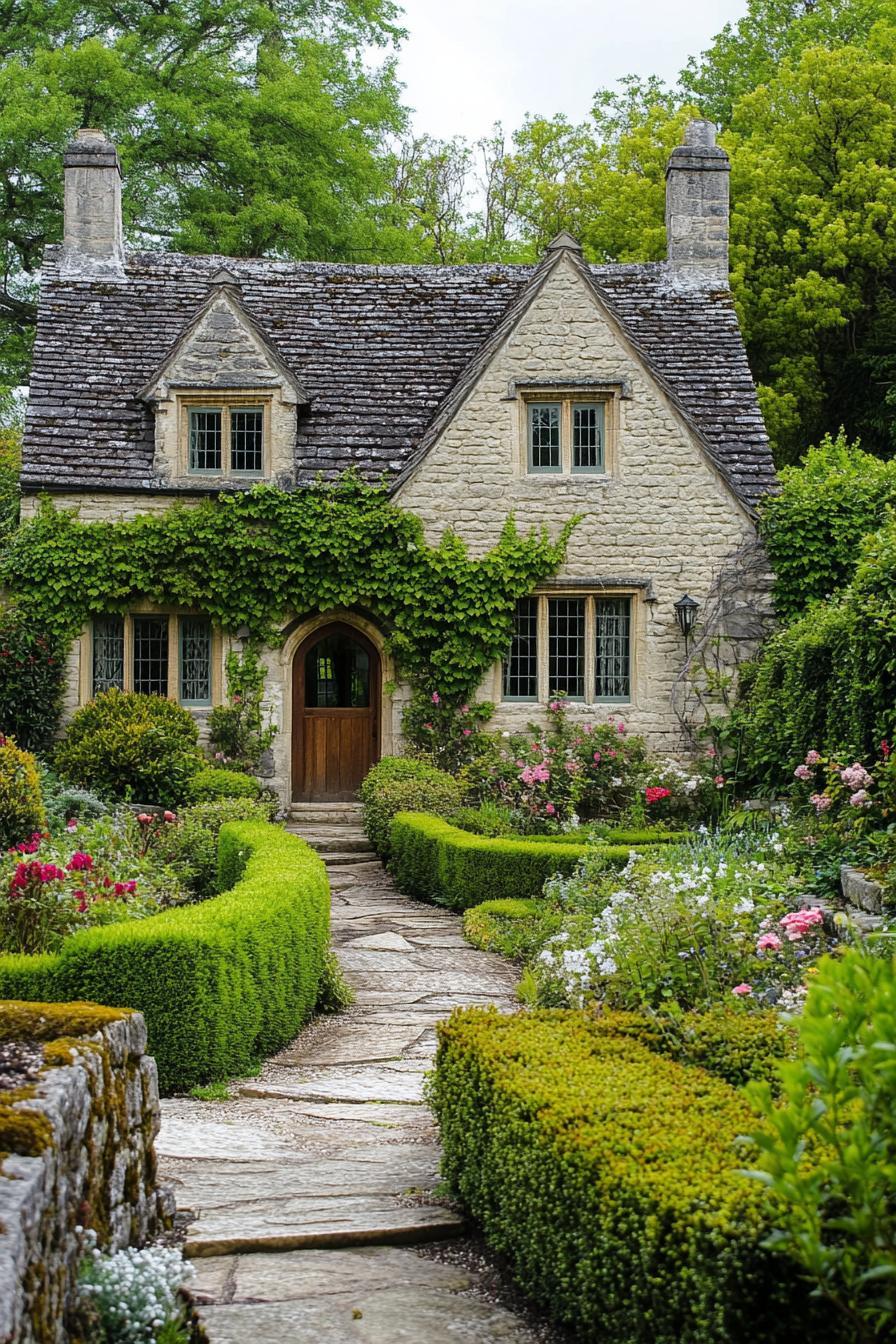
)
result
[(469, 63)]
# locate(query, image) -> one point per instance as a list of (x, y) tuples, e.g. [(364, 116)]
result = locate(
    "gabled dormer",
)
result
[(224, 399)]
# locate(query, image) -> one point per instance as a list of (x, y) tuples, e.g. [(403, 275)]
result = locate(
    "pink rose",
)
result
[(467, 732), (597, 757), (554, 706), (144, 818), (769, 942), (550, 809), (169, 816), (436, 698), (742, 990)]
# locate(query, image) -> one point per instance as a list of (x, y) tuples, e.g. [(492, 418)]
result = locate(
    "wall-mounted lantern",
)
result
[(686, 609)]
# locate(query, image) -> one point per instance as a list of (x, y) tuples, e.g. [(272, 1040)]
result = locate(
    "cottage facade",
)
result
[(619, 393)]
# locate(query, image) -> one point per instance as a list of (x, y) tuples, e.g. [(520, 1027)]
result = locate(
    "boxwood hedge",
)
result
[(434, 860), (610, 1176), (220, 982)]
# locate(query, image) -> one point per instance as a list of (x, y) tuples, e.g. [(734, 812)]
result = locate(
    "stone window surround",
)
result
[(640, 596), (85, 690), (225, 401), (568, 394)]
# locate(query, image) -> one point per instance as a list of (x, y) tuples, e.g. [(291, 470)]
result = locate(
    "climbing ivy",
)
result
[(258, 558)]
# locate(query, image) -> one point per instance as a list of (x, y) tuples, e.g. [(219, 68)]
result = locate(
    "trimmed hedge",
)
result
[(439, 862), (219, 983), (618, 836), (210, 785), (611, 1179), (402, 784), (515, 928)]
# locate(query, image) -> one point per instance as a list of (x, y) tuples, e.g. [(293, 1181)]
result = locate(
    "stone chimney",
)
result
[(697, 208), (93, 241)]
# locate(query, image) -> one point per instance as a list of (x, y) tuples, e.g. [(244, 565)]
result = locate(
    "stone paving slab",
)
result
[(314, 1220), (290, 1275), (394, 1081), (388, 1316)]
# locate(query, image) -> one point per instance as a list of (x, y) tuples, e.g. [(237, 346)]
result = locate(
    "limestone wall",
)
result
[(76, 1149)]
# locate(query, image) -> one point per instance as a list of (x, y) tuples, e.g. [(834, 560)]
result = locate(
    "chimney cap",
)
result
[(91, 148), (699, 149)]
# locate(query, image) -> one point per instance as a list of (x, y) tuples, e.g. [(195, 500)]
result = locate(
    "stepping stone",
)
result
[(291, 1275), (412, 1315), (354, 1043), (345, 1200), (389, 1084), (220, 1139), (382, 942)]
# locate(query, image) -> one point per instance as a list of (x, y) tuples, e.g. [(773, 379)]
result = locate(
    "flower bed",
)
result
[(220, 982), (609, 1176), (434, 860)]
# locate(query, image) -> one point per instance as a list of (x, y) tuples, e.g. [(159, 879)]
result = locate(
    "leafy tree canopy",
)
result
[(244, 127)]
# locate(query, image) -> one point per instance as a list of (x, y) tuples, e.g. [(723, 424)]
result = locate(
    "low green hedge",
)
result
[(220, 982), (619, 837), (611, 1178), (515, 928), (402, 784), (432, 859), (211, 785)]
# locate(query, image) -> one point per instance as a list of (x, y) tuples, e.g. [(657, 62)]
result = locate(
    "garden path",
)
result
[(305, 1193)]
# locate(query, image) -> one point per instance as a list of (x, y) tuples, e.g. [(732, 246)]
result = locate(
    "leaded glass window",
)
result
[(544, 437), (151, 655), (195, 660), (246, 438), (205, 440), (337, 674), (588, 437), (521, 663), (566, 647), (108, 654), (612, 626)]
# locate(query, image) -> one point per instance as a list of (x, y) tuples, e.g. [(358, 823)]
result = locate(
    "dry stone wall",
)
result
[(76, 1149)]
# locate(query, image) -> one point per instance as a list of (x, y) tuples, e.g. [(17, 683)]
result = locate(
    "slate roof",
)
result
[(377, 348)]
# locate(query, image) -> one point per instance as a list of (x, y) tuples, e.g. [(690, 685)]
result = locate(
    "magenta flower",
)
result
[(436, 699), (550, 809), (467, 732), (80, 862), (742, 990)]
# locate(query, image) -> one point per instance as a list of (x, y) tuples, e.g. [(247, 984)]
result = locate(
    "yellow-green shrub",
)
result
[(219, 983), (431, 859), (610, 1177), (21, 803), (515, 928)]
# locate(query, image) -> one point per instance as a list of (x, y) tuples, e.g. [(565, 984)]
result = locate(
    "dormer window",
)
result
[(566, 435), (225, 440)]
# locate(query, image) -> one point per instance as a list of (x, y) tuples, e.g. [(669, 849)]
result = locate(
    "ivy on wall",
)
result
[(259, 558)]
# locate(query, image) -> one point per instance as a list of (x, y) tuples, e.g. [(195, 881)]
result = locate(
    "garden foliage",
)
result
[(32, 664), (828, 1147), (629, 1222), (21, 802), (141, 748), (211, 785), (434, 860), (220, 982), (401, 784), (827, 682), (238, 731)]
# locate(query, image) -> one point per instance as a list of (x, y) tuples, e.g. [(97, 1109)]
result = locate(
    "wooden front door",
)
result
[(335, 714)]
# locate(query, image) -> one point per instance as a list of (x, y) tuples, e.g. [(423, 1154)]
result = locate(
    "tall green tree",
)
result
[(244, 127)]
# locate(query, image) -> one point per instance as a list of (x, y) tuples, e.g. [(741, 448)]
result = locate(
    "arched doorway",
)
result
[(335, 713)]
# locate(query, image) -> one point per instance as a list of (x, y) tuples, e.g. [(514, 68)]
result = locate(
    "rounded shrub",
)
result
[(401, 784), (21, 803), (191, 845), (135, 748), (209, 785)]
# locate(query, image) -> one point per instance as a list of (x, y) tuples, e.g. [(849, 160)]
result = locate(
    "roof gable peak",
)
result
[(564, 242), (223, 347)]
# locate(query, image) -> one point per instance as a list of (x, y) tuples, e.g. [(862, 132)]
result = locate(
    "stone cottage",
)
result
[(617, 392)]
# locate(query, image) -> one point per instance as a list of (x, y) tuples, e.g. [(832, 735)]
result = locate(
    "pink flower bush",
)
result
[(856, 777), (535, 774), (800, 922), (813, 757), (80, 862), (860, 799), (802, 772), (821, 802)]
